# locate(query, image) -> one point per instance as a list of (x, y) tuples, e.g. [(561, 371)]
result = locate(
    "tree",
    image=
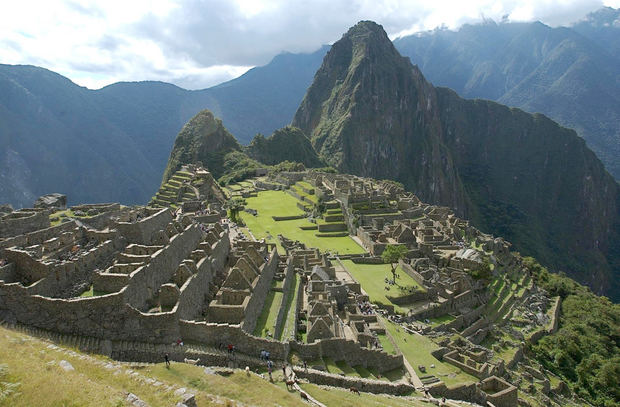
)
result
[(392, 254), (234, 206)]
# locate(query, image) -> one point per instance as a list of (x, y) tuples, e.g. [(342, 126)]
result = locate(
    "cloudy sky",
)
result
[(199, 43)]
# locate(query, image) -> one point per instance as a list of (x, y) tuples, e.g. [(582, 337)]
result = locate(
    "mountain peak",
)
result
[(365, 28)]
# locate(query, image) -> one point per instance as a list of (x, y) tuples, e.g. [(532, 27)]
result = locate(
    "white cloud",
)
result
[(199, 43)]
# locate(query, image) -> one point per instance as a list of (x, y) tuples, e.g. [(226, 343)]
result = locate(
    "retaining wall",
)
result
[(365, 385)]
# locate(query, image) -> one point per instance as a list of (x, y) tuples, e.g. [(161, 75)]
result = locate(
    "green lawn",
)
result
[(417, 349), (288, 330), (269, 314), (92, 293), (387, 345), (279, 203), (299, 191), (444, 319), (372, 278)]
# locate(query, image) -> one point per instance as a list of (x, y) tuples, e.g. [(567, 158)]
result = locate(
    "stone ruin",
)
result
[(131, 282)]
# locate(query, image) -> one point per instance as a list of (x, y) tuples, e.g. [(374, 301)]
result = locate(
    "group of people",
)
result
[(264, 355), (365, 307)]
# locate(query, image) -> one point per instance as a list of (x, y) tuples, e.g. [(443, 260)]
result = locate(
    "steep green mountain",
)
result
[(205, 141), (202, 140), (571, 74), (112, 144), (370, 112), (288, 143)]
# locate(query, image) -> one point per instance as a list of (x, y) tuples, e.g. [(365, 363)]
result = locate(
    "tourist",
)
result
[(284, 371), (230, 348), (167, 359), (305, 367), (267, 354)]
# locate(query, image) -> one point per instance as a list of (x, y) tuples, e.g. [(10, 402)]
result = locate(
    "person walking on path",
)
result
[(167, 359), (284, 371)]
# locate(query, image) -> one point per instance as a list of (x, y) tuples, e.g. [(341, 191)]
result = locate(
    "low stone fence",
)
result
[(332, 227), (412, 273), (293, 217), (365, 385), (367, 260)]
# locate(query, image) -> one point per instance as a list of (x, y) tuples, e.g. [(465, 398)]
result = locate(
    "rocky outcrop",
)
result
[(54, 200)]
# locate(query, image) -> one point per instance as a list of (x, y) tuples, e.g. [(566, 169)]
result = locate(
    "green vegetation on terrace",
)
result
[(444, 319), (585, 351), (299, 191), (372, 278), (92, 293), (417, 350), (386, 344), (279, 203), (65, 213), (269, 314)]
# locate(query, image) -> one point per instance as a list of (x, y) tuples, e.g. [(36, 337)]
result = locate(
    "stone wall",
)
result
[(194, 291), (106, 317), (217, 334), (499, 392), (24, 221), (143, 230), (102, 220), (145, 281), (109, 282), (412, 273), (365, 385), (37, 237), (212, 334), (466, 392), (351, 352)]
